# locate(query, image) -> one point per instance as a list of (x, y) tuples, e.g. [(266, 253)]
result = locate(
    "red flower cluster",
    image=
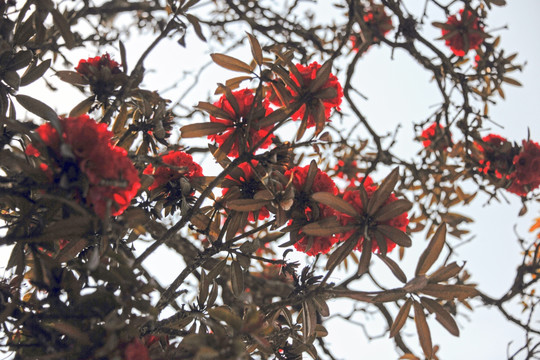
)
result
[(242, 133), (377, 21), (329, 95), (498, 154), (182, 165), (526, 175), (111, 175), (435, 138), (311, 245), (92, 66), (243, 183), (463, 32), (353, 197), (518, 167)]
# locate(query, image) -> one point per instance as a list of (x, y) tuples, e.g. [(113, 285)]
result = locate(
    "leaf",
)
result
[(71, 250), (450, 292), (235, 82), (277, 115), (383, 192), (322, 306), (392, 210), (63, 25), (395, 235), (445, 272), (365, 257), (33, 73), (237, 278), (20, 60), (335, 203), (441, 315), (225, 314), (326, 227), (217, 269), (38, 108), (423, 330), (511, 81), (390, 295), (230, 63), (322, 77), (401, 318), (394, 267), (72, 77), (433, 250), (341, 252), (213, 110), (246, 204), (256, 50), (196, 26), (309, 318), (202, 129), (83, 107)]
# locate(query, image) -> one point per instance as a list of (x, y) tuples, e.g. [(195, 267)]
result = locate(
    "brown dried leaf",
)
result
[(83, 107), (395, 235), (423, 330), (335, 203), (401, 318), (450, 292), (341, 252), (237, 278), (213, 110), (392, 210), (322, 77), (445, 272), (230, 63), (433, 250), (383, 192), (202, 129), (394, 267), (256, 50), (441, 315)]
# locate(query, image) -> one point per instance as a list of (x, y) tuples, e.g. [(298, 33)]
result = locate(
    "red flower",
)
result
[(117, 185), (112, 179), (136, 350), (328, 96), (498, 155), (306, 211), (244, 183), (435, 137), (177, 159), (526, 176), (353, 197), (378, 22), (463, 32), (242, 133), (91, 66)]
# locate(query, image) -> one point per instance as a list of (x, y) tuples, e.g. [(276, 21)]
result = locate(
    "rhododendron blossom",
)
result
[(112, 179), (353, 197), (305, 210), (435, 137), (498, 154), (91, 66), (329, 95), (526, 175), (181, 165), (463, 32), (242, 132)]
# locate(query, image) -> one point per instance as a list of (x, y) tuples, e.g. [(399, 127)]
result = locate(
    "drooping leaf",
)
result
[(433, 250)]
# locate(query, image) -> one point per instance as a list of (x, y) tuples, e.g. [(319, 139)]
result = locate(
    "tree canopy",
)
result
[(268, 184)]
